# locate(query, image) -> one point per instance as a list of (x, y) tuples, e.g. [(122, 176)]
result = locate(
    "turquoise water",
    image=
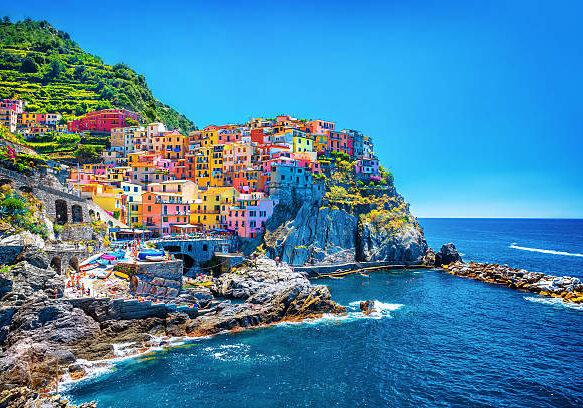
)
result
[(438, 340)]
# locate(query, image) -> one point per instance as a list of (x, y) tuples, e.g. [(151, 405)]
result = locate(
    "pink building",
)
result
[(340, 142), (367, 167), (249, 216), (102, 121), (12, 104), (321, 127)]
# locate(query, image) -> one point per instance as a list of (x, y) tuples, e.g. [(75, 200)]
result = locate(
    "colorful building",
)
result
[(102, 121)]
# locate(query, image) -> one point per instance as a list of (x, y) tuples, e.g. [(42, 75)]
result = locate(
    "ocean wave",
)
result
[(554, 302), (544, 251)]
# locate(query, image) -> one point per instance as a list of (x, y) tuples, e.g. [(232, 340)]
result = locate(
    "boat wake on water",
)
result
[(556, 302), (544, 251)]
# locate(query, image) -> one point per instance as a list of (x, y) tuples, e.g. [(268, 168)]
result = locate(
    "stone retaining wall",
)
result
[(159, 279)]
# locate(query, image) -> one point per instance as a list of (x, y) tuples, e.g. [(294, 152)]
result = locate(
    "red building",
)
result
[(340, 142), (102, 121)]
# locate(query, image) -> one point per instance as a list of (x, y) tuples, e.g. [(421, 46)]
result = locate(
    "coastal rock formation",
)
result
[(568, 288), (308, 231), (43, 336), (448, 254), (24, 397), (405, 246)]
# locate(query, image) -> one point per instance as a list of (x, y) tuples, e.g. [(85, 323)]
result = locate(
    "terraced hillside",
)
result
[(46, 68)]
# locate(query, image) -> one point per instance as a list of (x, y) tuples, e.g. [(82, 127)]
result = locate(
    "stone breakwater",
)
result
[(568, 288)]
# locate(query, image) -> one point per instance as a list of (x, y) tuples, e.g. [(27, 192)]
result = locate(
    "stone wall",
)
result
[(158, 279), (194, 253), (60, 206), (76, 233)]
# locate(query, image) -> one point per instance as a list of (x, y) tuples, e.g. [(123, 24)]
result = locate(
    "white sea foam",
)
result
[(544, 251), (554, 302)]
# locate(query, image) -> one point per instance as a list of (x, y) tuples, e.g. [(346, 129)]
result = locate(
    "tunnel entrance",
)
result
[(61, 212), (56, 264)]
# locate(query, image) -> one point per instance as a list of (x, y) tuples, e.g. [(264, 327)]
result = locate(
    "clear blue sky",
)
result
[(476, 108)]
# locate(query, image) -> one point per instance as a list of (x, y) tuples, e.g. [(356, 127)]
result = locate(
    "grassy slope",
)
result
[(44, 67)]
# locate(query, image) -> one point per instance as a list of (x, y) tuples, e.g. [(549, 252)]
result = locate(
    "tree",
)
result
[(55, 69), (86, 153), (6, 20), (28, 66), (131, 122)]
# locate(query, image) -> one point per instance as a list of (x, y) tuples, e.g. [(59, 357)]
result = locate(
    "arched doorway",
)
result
[(56, 264), (187, 261), (61, 212), (77, 213), (74, 263), (26, 189), (92, 214)]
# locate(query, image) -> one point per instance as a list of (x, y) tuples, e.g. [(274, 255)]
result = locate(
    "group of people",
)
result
[(74, 282)]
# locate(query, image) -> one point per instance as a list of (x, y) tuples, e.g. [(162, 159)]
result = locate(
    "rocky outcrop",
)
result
[(308, 232), (568, 288), (24, 397), (406, 246), (15, 247), (448, 254), (24, 280)]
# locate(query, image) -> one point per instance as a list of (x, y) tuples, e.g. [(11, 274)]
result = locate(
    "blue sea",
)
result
[(436, 340)]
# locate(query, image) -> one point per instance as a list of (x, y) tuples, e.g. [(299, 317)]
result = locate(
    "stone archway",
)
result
[(74, 263), (26, 189), (56, 264), (61, 212), (76, 213), (187, 261)]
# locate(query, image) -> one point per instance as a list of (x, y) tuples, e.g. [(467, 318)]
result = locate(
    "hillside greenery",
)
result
[(46, 68)]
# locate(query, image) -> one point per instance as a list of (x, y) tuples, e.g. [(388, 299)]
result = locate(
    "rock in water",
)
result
[(448, 254), (367, 307)]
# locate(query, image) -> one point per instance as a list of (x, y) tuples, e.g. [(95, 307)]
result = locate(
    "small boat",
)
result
[(121, 275), (103, 262), (143, 254), (156, 258), (366, 275), (89, 267), (102, 274), (336, 277)]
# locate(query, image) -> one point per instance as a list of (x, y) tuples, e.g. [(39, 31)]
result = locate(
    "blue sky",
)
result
[(476, 108)]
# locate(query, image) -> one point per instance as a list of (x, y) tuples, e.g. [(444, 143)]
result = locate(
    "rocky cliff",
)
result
[(350, 223)]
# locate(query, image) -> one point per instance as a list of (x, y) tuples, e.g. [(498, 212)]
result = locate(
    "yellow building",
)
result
[(109, 198), (216, 166), (302, 142), (320, 143), (212, 206), (202, 169), (174, 145)]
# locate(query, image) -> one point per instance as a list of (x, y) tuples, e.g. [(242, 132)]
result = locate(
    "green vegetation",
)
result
[(12, 160), (6, 269), (45, 67), (20, 212)]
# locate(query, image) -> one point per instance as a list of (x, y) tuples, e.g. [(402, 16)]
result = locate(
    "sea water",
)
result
[(435, 340)]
